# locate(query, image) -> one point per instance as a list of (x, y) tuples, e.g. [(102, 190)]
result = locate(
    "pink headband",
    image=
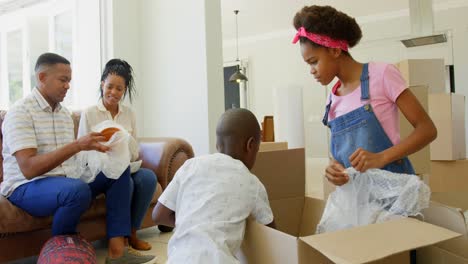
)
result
[(320, 39)]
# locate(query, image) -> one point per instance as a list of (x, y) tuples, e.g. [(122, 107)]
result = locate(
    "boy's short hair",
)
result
[(238, 124)]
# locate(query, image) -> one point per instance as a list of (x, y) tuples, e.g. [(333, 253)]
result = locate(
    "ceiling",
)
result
[(12, 5), (262, 16), (258, 17)]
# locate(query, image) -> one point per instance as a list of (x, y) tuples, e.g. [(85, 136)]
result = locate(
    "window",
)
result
[(15, 65), (63, 34), (70, 28), (63, 44)]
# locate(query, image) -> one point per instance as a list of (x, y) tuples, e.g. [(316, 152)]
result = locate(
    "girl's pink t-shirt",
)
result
[(385, 85)]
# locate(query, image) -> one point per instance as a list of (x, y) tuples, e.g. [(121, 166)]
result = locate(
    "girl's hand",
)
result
[(335, 173), (363, 160)]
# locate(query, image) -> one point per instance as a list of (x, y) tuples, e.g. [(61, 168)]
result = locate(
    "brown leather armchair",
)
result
[(22, 235)]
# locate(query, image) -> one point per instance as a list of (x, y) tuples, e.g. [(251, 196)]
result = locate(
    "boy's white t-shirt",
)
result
[(212, 196)]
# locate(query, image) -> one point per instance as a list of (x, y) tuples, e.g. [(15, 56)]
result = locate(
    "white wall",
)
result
[(182, 66), (274, 62), (214, 68), (125, 42), (86, 63), (176, 51)]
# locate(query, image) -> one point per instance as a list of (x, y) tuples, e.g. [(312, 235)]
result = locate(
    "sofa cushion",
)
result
[(15, 219)]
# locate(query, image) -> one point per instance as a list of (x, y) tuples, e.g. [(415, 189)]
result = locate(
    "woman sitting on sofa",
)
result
[(116, 83)]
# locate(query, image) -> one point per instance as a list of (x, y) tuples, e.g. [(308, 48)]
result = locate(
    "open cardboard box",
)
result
[(446, 210), (296, 216)]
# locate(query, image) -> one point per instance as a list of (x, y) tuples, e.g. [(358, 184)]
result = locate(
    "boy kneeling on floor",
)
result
[(211, 196)]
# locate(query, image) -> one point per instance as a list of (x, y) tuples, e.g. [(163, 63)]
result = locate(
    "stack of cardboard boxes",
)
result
[(426, 79), (443, 164), (449, 167)]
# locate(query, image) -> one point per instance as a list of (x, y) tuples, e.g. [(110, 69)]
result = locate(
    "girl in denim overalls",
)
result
[(362, 110)]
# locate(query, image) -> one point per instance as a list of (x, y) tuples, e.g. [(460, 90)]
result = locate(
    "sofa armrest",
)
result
[(164, 156)]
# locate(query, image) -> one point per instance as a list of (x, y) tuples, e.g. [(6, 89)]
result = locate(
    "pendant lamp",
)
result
[(238, 76)]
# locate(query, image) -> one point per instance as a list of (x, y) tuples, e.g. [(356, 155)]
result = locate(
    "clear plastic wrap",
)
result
[(112, 163), (371, 197)]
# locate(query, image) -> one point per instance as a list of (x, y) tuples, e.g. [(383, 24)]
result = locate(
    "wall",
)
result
[(124, 42), (179, 65), (86, 63)]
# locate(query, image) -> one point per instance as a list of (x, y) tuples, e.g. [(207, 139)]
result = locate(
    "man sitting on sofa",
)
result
[(38, 150)]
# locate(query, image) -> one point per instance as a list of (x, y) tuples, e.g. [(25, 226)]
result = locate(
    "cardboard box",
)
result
[(296, 217), (448, 176), (430, 72), (271, 146), (446, 211), (420, 160), (448, 113)]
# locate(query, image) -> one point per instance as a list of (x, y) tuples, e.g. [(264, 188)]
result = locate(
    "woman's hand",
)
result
[(363, 160), (335, 173)]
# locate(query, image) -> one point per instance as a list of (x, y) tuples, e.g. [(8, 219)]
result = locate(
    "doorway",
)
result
[(231, 89)]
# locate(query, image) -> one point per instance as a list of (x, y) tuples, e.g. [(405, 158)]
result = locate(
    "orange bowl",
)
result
[(108, 132)]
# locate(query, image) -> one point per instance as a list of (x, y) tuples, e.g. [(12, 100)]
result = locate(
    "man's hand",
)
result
[(363, 160), (32, 164), (91, 142), (335, 173)]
